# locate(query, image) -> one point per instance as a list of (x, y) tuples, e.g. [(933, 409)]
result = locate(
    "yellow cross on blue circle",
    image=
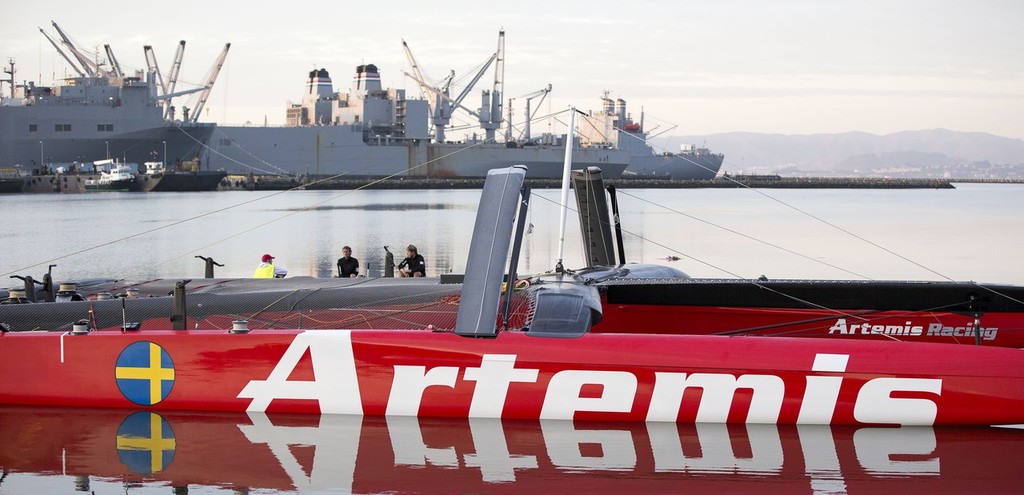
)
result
[(144, 373)]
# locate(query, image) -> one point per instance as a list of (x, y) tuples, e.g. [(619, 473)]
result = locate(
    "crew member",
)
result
[(348, 267), (413, 265), (266, 269)]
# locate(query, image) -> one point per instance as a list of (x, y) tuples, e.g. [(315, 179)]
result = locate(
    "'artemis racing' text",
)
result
[(908, 329)]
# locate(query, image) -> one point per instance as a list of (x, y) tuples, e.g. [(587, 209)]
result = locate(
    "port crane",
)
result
[(525, 134), (442, 104), (207, 85)]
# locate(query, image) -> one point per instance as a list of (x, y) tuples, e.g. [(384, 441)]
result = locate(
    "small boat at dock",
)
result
[(110, 175)]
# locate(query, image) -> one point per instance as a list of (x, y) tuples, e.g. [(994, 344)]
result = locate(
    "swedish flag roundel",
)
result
[(144, 373)]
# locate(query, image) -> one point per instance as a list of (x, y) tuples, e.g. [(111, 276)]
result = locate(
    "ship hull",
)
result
[(204, 180), (340, 150), (145, 144), (60, 183), (678, 166)]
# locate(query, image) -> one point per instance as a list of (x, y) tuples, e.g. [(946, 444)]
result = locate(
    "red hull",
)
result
[(614, 377)]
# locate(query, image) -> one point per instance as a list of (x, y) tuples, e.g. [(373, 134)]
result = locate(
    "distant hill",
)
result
[(936, 152)]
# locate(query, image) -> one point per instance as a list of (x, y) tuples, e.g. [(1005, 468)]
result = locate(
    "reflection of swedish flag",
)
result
[(144, 373), (145, 443)]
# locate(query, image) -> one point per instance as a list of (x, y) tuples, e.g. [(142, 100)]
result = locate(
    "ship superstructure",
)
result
[(373, 131), (101, 112), (614, 126)]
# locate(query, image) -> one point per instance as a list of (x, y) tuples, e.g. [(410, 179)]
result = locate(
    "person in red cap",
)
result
[(266, 269)]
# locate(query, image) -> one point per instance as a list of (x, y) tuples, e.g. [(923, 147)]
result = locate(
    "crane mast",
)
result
[(491, 107), (208, 84)]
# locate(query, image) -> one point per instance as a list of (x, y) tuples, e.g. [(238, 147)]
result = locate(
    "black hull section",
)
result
[(180, 182), (11, 185), (854, 295)]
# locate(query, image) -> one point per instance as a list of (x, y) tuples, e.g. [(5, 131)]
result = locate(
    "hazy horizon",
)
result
[(792, 67)]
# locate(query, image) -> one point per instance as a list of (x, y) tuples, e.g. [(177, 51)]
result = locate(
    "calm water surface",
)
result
[(969, 233)]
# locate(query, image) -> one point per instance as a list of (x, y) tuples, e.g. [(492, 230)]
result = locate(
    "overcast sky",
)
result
[(789, 67)]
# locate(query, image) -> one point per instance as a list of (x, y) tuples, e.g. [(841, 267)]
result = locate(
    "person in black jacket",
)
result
[(347, 265), (413, 265)]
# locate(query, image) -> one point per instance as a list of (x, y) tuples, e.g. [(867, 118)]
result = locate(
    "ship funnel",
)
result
[(319, 83), (367, 78), (609, 106), (621, 106)]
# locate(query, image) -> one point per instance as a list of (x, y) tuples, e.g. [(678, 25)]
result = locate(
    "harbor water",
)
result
[(971, 232), (967, 233)]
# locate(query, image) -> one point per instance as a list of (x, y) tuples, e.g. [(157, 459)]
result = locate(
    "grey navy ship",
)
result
[(369, 131), (613, 126), (102, 111)]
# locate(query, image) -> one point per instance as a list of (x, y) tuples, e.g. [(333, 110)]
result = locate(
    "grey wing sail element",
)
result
[(488, 251)]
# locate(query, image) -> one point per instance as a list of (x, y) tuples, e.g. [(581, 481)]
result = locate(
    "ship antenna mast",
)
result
[(566, 171), (11, 72)]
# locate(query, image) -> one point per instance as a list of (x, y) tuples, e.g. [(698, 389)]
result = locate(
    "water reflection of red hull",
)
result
[(410, 455)]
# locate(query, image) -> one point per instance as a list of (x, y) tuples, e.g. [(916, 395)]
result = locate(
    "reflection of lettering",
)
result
[(607, 450), (492, 456), (704, 397), (411, 450), (877, 447), (821, 459), (669, 456), (335, 442), (578, 447)]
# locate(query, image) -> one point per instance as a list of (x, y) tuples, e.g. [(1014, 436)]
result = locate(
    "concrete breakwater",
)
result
[(277, 183)]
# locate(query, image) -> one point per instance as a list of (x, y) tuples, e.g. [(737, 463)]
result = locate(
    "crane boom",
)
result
[(208, 84), (425, 89), (153, 67), (62, 54), (90, 67), (172, 78), (115, 67), (476, 78)]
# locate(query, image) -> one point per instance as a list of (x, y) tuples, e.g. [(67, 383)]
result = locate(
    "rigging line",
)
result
[(758, 328), (996, 292), (834, 226), (142, 233), (380, 312), (711, 265), (648, 143), (247, 152), (255, 227), (428, 162), (903, 313), (687, 215)]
